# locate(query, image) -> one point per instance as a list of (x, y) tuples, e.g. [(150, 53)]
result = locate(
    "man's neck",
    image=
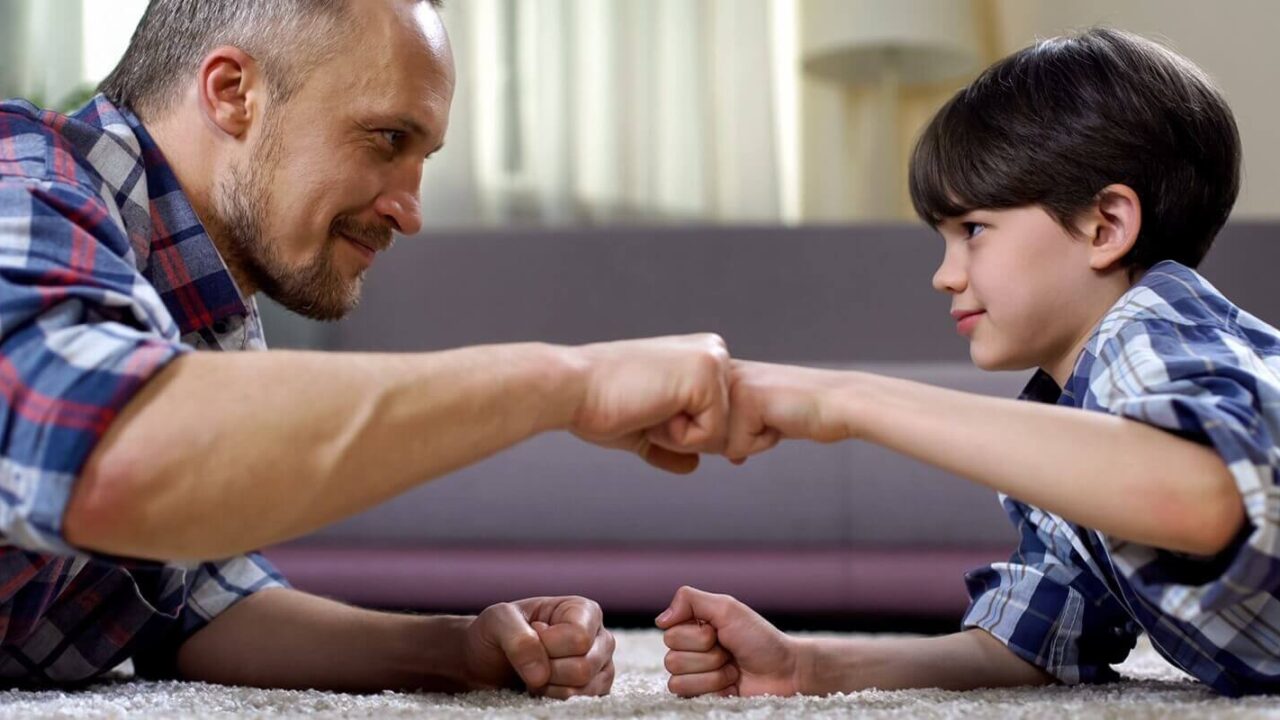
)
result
[(189, 155)]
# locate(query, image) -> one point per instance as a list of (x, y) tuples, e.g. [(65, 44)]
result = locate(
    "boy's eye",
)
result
[(972, 229)]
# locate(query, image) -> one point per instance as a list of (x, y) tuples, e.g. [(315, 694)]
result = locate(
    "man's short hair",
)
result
[(1055, 123), (288, 38)]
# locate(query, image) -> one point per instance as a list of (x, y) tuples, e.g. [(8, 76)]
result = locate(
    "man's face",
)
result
[(1020, 287), (336, 170)]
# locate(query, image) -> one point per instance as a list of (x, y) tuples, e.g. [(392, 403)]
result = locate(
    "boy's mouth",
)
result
[(966, 320)]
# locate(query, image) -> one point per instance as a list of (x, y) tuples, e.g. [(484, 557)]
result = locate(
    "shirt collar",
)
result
[(174, 252)]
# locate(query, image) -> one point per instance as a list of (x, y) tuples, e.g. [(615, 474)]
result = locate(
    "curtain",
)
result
[(607, 111), (41, 51)]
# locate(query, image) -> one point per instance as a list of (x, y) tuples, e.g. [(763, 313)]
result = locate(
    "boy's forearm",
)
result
[(961, 661), (287, 639), (1118, 476)]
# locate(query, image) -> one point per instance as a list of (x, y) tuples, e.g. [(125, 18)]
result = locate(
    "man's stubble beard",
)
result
[(240, 203)]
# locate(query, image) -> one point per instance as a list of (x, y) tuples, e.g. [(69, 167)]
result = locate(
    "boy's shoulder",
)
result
[(1173, 297), (1172, 322)]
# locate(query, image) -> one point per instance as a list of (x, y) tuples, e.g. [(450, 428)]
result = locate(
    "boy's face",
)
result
[(1020, 286)]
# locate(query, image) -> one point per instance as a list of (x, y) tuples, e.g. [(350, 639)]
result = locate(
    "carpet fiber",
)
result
[(1154, 690)]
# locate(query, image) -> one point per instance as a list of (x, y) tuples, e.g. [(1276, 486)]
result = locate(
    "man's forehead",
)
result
[(399, 70)]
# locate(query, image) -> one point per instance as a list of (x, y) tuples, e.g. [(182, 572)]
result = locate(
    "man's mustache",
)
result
[(375, 235)]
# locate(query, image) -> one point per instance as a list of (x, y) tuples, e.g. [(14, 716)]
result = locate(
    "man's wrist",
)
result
[(435, 652), (566, 371)]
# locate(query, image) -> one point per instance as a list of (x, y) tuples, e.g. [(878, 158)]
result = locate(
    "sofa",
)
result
[(843, 529)]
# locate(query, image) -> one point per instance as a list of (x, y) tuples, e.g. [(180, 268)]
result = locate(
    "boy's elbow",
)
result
[(1212, 526)]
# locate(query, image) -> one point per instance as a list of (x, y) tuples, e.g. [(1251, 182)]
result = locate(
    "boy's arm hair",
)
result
[(1125, 478), (960, 661), (1121, 477)]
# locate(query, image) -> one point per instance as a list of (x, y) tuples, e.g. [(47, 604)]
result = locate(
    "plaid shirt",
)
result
[(106, 275), (1173, 353)]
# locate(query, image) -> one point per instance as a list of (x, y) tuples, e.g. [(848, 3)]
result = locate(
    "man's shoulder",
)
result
[(41, 157), (46, 147), (28, 139)]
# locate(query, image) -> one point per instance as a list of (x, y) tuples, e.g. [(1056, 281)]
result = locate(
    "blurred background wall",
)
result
[(761, 112), (631, 167), (721, 111)]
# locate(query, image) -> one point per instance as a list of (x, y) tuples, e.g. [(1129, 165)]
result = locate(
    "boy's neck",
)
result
[(1061, 367)]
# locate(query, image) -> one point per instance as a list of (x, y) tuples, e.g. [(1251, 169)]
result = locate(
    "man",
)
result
[(245, 146)]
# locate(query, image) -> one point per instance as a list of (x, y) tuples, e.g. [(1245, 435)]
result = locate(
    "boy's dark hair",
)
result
[(1055, 123)]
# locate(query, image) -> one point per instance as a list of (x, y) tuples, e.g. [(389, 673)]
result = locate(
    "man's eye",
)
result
[(393, 137), (973, 229)]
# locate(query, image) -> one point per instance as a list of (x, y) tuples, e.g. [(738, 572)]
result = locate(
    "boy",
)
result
[(1075, 185)]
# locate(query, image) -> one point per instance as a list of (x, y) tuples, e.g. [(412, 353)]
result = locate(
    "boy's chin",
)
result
[(986, 359)]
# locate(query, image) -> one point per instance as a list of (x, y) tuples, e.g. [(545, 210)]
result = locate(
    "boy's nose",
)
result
[(949, 278)]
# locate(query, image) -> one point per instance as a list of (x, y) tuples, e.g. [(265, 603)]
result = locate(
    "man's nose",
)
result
[(401, 209)]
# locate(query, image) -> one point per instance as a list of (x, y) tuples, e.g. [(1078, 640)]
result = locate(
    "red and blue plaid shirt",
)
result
[(1177, 355), (106, 275)]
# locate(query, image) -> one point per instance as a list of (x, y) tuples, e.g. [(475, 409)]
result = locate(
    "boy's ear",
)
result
[(1112, 226)]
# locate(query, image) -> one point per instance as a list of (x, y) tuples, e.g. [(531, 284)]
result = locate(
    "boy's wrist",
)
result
[(846, 406), (819, 671), (806, 662)]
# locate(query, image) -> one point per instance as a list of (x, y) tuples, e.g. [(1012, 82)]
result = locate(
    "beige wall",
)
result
[(1234, 40)]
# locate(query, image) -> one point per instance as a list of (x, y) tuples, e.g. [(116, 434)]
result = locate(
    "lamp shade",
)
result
[(858, 41)]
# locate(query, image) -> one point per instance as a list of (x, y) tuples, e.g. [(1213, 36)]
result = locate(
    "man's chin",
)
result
[(321, 309)]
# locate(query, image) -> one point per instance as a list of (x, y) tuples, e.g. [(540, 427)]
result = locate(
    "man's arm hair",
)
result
[(225, 452)]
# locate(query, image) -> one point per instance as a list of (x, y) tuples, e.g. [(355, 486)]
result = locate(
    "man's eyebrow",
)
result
[(404, 123)]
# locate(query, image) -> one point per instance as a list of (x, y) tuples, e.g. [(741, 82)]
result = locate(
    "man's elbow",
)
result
[(107, 510)]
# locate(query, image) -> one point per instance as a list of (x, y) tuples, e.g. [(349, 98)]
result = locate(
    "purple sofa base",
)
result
[(918, 581)]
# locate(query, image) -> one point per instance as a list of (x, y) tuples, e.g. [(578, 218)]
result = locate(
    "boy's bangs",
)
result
[(960, 165)]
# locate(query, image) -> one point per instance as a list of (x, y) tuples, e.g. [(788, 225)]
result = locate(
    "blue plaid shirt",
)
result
[(1173, 353), (106, 275)]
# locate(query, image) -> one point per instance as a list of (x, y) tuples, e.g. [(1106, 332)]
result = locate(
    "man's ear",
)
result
[(231, 89), (1111, 227)]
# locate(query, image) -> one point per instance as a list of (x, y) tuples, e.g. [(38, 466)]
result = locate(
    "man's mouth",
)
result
[(364, 247), (361, 243)]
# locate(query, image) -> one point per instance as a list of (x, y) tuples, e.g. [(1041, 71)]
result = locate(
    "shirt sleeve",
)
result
[(209, 590), (80, 333), (1211, 387), (1049, 605)]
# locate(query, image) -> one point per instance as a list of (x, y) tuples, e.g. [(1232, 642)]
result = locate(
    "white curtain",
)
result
[(40, 50), (616, 110)]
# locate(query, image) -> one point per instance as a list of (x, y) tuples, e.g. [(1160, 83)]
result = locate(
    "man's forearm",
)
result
[(961, 661), (1121, 477), (223, 453), (288, 639)]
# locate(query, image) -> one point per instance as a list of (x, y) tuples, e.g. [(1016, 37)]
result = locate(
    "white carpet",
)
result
[(1155, 691)]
